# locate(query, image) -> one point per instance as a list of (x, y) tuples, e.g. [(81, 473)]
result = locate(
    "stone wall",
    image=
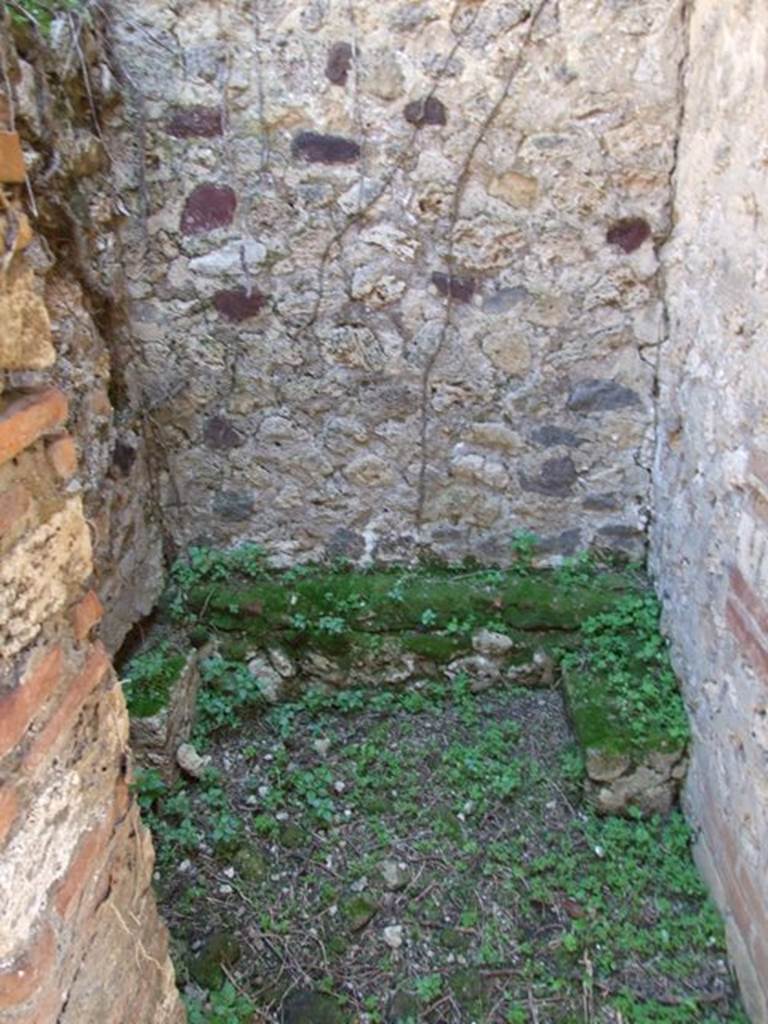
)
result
[(393, 267), (80, 939), (711, 474)]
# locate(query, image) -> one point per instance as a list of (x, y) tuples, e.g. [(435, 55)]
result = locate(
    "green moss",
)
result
[(291, 836), (235, 648), (453, 939), (313, 1008), (221, 950), (149, 677), (376, 603), (321, 608), (603, 624), (357, 911), (469, 989), (199, 636), (621, 691), (250, 864), (404, 1008), (438, 647)]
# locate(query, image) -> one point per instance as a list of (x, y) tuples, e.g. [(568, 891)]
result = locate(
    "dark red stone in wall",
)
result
[(461, 289), (629, 233), (237, 304), (324, 149), (339, 63), (207, 207), (426, 111), (195, 122)]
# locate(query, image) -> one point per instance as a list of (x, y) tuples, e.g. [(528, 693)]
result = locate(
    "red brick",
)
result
[(744, 900), (743, 894), (85, 614), (15, 503), (24, 420), (29, 972), (750, 600), (77, 691), (20, 706), (9, 808), (45, 1008), (12, 170), (82, 868), (62, 452), (751, 647), (89, 860)]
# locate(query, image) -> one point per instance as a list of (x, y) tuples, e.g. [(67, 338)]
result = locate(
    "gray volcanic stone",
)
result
[(235, 506), (221, 435), (556, 478), (600, 396), (345, 543), (549, 436), (504, 299), (461, 289), (598, 502)]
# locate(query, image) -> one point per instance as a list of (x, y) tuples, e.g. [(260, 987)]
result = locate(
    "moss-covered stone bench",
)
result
[(336, 627)]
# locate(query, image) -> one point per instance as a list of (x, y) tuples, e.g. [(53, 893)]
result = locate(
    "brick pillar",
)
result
[(80, 938)]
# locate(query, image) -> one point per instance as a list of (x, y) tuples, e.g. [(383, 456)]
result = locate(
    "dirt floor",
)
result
[(426, 856)]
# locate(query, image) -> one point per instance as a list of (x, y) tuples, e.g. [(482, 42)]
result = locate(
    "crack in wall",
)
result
[(652, 468)]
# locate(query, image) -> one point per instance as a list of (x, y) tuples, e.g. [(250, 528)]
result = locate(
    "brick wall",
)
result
[(710, 540), (60, 301), (80, 939)]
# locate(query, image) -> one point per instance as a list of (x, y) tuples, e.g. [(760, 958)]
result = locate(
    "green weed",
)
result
[(229, 688), (622, 691), (148, 678), (41, 13), (226, 1006)]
